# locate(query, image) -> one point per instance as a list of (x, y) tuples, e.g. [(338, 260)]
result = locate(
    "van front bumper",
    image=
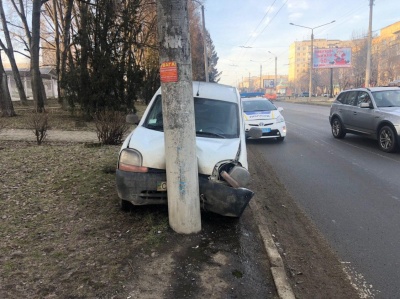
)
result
[(215, 196)]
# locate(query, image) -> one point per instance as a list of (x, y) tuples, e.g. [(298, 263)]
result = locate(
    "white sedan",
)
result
[(263, 119)]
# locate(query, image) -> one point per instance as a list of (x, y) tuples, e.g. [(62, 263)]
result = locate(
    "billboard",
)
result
[(268, 83), (331, 58)]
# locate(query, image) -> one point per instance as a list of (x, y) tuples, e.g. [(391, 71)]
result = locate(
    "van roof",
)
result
[(214, 91)]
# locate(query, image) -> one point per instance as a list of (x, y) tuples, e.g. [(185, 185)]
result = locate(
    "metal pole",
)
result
[(260, 76), (205, 46), (311, 64), (331, 93), (276, 74)]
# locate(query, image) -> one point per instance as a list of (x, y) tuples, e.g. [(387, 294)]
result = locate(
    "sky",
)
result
[(249, 34)]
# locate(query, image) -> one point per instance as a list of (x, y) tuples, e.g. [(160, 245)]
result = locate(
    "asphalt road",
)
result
[(349, 188)]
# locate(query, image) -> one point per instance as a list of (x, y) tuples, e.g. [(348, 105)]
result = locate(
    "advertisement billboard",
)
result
[(331, 58), (268, 83)]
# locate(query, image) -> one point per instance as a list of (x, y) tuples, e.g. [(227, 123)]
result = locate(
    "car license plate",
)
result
[(161, 186), (266, 130)]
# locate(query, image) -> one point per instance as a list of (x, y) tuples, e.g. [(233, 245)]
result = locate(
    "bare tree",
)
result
[(6, 105), (36, 80), (32, 43), (8, 49)]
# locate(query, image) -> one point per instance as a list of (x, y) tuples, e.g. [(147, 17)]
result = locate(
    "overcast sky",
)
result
[(245, 30)]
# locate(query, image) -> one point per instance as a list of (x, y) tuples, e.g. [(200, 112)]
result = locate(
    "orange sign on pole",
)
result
[(169, 72)]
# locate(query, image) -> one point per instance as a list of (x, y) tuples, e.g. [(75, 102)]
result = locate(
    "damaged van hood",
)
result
[(210, 151)]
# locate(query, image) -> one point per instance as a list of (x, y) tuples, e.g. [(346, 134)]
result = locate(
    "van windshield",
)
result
[(213, 118)]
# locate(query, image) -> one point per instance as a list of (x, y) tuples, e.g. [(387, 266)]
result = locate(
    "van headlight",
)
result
[(280, 119), (131, 160)]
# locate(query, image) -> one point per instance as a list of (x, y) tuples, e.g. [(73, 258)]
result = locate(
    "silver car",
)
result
[(373, 112)]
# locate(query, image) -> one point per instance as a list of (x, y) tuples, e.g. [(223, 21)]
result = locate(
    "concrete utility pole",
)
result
[(205, 45), (178, 116), (368, 68)]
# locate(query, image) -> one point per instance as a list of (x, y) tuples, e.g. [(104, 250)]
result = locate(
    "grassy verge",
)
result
[(62, 232)]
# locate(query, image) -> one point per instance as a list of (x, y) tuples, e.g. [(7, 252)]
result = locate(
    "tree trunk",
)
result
[(36, 80), (65, 48), (10, 54), (6, 105)]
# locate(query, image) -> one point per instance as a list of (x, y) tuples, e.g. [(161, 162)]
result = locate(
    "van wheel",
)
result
[(280, 139), (125, 205), (387, 139), (337, 128)]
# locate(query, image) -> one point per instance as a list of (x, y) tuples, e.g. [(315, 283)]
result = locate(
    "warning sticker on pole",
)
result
[(169, 72)]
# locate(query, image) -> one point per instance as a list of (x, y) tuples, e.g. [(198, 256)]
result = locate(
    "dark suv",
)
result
[(373, 112)]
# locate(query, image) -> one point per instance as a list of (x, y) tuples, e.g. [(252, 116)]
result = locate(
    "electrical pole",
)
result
[(205, 45), (178, 116), (368, 68)]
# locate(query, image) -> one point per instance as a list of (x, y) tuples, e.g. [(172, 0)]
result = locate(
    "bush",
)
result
[(39, 123), (110, 126)]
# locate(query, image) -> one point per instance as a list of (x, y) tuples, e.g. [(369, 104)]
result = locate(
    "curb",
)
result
[(277, 267)]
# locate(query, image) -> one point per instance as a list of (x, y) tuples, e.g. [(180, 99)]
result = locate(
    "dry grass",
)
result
[(62, 232), (58, 119)]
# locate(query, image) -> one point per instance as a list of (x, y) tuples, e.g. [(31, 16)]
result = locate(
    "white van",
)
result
[(221, 153)]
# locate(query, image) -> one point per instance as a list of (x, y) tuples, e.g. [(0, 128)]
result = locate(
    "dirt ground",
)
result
[(64, 236)]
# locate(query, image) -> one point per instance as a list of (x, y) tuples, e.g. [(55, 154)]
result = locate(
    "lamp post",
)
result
[(276, 71), (312, 49), (260, 71)]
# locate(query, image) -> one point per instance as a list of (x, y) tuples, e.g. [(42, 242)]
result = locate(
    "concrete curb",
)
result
[(277, 267)]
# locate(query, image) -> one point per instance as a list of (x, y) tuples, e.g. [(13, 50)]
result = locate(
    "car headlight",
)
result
[(131, 160), (280, 119)]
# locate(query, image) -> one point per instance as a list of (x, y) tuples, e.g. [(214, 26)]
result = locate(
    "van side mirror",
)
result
[(132, 119)]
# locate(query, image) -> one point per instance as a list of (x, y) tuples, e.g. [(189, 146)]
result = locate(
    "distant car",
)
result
[(260, 113), (373, 112), (305, 94), (270, 96)]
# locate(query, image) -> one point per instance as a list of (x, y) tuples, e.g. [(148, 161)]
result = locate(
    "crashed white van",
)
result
[(221, 153)]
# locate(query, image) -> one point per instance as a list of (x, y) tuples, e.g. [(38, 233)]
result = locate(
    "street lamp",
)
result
[(311, 59), (276, 71)]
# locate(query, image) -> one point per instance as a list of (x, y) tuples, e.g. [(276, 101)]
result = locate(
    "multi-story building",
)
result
[(386, 48)]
